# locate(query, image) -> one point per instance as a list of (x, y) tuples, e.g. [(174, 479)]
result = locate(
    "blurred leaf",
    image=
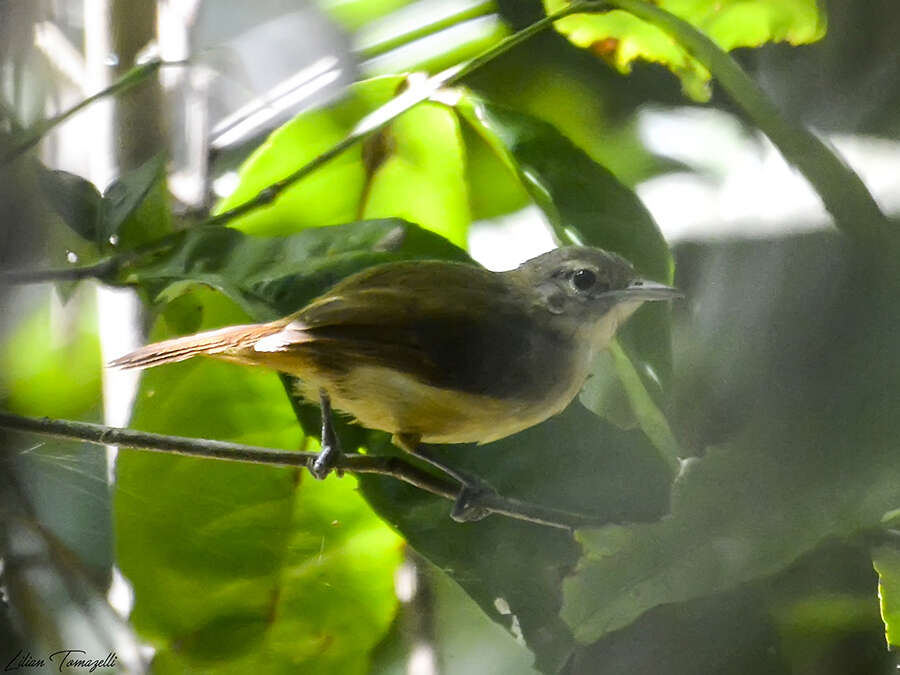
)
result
[(494, 189), (887, 563), (420, 178), (236, 567), (703, 548), (806, 378), (77, 201), (620, 37), (57, 602), (514, 570), (416, 173), (572, 189), (725, 634), (353, 14), (136, 206), (604, 394), (585, 112), (328, 196), (50, 365)]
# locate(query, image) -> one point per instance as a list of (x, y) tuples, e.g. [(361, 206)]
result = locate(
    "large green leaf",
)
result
[(50, 365), (135, 206), (621, 38), (77, 201), (134, 209), (797, 392), (412, 169), (514, 570)]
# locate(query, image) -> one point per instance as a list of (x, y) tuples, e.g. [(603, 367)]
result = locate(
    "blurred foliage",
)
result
[(783, 390), (400, 172), (620, 38), (50, 365)]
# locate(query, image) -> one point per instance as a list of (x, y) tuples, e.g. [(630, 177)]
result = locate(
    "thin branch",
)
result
[(104, 269), (95, 271), (376, 49), (131, 79), (236, 452)]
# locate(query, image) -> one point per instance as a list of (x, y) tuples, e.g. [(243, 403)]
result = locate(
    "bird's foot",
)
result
[(470, 503), (329, 457)]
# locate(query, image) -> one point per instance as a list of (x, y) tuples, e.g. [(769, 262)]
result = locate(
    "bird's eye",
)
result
[(584, 279)]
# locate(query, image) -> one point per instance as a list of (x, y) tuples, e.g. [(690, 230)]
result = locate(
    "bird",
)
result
[(439, 352)]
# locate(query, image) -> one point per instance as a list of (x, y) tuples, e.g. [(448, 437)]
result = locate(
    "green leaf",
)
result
[(514, 570), (572, 189), (237, 567), (728, 635), (420, 178), (886, 560), (50, 365), (136, 206), (412, 169), (77, 201), (621, 38), (797, 396), (274, 276)]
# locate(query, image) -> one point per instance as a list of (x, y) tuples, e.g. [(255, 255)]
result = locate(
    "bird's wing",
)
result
[(447, 324)]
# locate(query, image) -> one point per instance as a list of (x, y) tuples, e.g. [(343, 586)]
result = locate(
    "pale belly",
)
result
[(391, 401)]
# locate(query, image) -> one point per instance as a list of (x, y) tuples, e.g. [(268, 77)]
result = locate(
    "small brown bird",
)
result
[(439, 352)]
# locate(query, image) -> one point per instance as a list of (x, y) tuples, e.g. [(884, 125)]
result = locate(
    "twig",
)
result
[(103, 269), (376, 49), (132, 78), (236, 452), (95, 271)]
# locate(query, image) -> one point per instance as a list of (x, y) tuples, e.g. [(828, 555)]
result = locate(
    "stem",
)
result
[(129, 80), (253, 454), (378, 48), (384, 115), (651, 419), (98, 271), (103, 270), (842, 191)]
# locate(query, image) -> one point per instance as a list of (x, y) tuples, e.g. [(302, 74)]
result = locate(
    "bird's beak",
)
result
[(645, 291)]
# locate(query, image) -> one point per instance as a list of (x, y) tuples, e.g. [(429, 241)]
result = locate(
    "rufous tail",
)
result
[(221, 342)]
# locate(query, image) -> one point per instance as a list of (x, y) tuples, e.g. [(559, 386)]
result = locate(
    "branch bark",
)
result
[(395, 467)]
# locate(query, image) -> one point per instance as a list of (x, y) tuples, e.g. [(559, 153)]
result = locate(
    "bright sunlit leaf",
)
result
[(621, 38), (414, 171), (887, 563)]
